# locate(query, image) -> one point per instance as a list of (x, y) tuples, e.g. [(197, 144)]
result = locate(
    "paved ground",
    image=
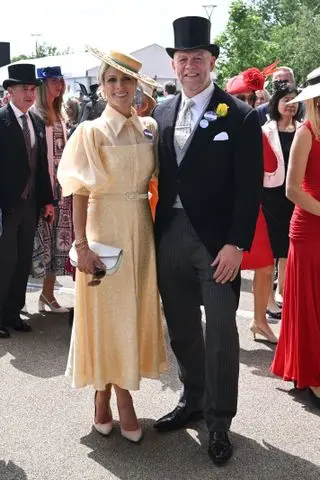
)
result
[(46, 427)]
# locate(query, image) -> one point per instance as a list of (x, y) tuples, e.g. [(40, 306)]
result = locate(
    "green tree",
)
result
[(299, 43), (259, 32), (245, 42), (283, 12)]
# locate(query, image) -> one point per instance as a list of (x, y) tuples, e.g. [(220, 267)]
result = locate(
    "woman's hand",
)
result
[(88, 261)]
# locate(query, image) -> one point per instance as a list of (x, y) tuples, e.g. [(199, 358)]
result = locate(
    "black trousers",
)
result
[(208, 364), (16, 247)]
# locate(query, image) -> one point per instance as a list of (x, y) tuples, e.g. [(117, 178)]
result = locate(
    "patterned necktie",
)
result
[(183, 124), (26, 134)]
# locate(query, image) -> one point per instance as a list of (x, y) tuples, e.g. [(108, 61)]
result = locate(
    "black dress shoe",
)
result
[(220, 448), (275, 315), (314, 398), (178, 418), (4, 333), (22, 327)]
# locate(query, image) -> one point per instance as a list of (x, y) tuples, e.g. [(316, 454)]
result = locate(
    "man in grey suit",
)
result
[(210, 184)]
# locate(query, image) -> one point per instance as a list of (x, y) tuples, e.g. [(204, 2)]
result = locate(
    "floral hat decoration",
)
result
[(250, 80)]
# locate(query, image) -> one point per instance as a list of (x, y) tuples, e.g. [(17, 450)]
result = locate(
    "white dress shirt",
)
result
[(18, 115)]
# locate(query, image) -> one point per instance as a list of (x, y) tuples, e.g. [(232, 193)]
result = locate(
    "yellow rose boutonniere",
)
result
[(222, 110)]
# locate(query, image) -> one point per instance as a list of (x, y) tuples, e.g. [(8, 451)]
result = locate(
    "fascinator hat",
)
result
[(124, 63), (312, 89), (250, 80)]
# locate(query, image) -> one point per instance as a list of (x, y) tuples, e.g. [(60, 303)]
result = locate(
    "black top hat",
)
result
[(192, 33), (21, 73)]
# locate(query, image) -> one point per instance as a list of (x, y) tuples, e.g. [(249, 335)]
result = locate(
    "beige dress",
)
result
[(117, 334)]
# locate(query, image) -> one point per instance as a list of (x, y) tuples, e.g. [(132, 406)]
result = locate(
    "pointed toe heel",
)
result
[(104, 428), (133, 436), (268, 336)]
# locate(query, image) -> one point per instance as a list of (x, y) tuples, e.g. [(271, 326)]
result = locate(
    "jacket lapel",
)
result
[(15, 129), (170, 116)]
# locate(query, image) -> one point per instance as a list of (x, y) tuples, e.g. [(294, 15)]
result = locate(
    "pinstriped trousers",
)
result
[(208, 363)]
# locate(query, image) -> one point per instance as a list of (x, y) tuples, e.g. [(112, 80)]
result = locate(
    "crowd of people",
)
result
[(234, 180)]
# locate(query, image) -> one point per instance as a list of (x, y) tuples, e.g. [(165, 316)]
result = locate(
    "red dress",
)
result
[(297, 356), (260, 254)]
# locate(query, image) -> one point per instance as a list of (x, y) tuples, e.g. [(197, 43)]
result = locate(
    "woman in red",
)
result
[(260, 257), (297, 356)]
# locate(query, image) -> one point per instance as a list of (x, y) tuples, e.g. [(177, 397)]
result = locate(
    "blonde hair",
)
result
[(102, 71), (313, 114), (49, 114)]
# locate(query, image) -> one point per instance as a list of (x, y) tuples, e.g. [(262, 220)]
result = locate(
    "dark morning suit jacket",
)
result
[(14, 164), (219, 182)]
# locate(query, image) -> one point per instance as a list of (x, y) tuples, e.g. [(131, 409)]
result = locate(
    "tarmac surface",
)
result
[(46, 427)]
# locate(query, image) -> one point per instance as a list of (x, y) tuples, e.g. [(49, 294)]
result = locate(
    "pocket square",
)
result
[(222, 136)]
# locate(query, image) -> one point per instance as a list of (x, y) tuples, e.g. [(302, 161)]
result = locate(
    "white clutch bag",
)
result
[(110, 256)]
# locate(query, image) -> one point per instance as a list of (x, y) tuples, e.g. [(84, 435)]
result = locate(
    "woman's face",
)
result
[(119, 90), (55, 87), (248, 97), (285, 110)]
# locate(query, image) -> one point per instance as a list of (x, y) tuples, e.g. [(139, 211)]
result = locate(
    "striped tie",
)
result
[(27, 135), (183, 124)]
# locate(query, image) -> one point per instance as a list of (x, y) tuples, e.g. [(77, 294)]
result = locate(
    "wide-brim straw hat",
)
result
[(312, 89), (123, 62)]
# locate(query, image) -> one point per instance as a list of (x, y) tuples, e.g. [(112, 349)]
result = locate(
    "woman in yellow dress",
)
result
[(117, 334)]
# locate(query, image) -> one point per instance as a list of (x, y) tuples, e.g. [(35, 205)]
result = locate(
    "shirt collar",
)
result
[(202, 98), (117, 121), (18, 113)]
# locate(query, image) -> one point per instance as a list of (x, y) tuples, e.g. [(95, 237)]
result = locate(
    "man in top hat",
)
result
[(210, 184), (25, 188)]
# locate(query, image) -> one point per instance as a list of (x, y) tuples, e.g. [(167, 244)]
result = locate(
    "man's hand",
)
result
[(228, 262), (48, 213)]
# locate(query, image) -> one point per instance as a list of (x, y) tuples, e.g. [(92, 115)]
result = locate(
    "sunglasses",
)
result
[(98, 275)]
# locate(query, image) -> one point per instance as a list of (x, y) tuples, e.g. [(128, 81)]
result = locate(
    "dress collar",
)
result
[(117, 121)]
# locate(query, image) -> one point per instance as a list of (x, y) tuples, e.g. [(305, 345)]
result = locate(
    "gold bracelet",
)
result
[(80, 241), (82, 246)]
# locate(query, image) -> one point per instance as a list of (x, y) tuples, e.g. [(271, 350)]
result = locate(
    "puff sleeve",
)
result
[(80, 169)]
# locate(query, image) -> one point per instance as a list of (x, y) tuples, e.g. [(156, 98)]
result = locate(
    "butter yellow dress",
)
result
[(117, 333)]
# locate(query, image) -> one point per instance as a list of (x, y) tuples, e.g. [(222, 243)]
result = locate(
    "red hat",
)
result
[(249, 81)]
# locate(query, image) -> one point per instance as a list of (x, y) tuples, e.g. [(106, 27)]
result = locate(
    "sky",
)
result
[(124, 25)]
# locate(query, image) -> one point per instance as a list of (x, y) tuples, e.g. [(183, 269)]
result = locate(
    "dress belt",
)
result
[(125, 196)]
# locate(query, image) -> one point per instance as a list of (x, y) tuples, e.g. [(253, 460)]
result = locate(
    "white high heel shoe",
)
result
[(103, 428), (133, 436), (43, 302)]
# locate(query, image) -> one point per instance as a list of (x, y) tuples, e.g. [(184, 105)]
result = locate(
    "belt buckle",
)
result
[(132, 196)]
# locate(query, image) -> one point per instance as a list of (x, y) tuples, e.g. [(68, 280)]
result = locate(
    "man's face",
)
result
[(23, 96), (283, 76), (192, 68)]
